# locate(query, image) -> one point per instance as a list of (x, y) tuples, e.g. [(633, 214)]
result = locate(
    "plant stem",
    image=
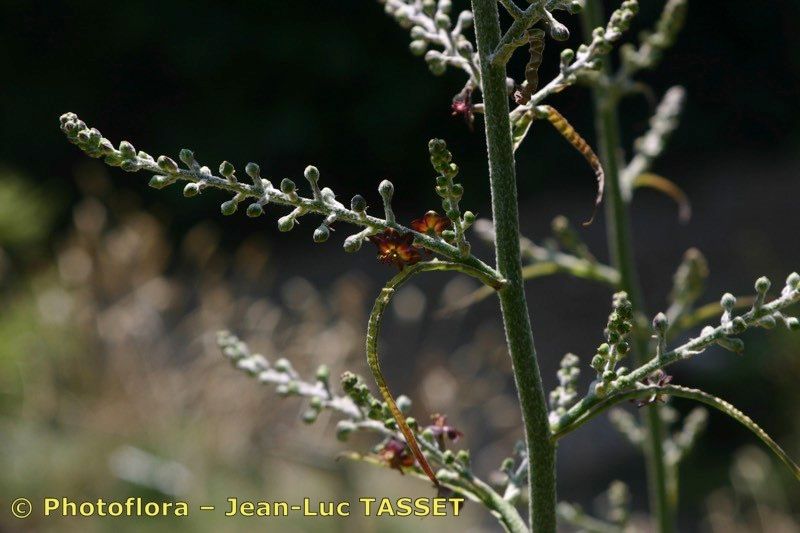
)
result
[(621, 250), (519, 337)]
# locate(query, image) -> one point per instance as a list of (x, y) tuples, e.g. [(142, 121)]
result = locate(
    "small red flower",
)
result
[(462, 106), (395, 248), (396, 455), (440, 430), (431, 224), (658, 379)]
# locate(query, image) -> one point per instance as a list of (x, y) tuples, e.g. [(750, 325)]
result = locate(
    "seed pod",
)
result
[(535, 50)]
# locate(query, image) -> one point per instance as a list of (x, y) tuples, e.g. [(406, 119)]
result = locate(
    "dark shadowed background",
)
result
[(110, 292)]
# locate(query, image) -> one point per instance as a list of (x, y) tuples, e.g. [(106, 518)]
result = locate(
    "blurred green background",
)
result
[(110, 293)]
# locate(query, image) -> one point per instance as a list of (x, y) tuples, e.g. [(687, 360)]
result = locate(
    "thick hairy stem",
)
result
[(541, 451), (621, 251)]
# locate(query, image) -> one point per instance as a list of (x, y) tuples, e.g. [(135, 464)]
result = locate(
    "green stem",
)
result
[(692, 394), (519, 337), (373, 330), (621, 250)]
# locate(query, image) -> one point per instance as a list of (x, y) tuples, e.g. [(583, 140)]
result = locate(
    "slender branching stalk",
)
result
[(693, 394), (373, 330)]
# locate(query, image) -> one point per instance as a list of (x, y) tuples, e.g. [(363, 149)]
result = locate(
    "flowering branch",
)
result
[(653, 44), (323, 201), (649, 147), (363, 412), (652, 144), (761, 314), (430, 25)]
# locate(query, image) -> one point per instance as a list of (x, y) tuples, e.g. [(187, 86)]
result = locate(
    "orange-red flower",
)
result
[(395, 248), (431, 223), (396, 455)]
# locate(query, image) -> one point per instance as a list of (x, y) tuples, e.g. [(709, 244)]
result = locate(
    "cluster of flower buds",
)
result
[(361, 411), (434, 35), (761, 314), (355, 388), (653, 44), (651, 145), (588, 56), (617, 346), (565, 395), (200, 177), (618, 24), (515, 470), (286, 380), (451, 193), (396, 244)]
